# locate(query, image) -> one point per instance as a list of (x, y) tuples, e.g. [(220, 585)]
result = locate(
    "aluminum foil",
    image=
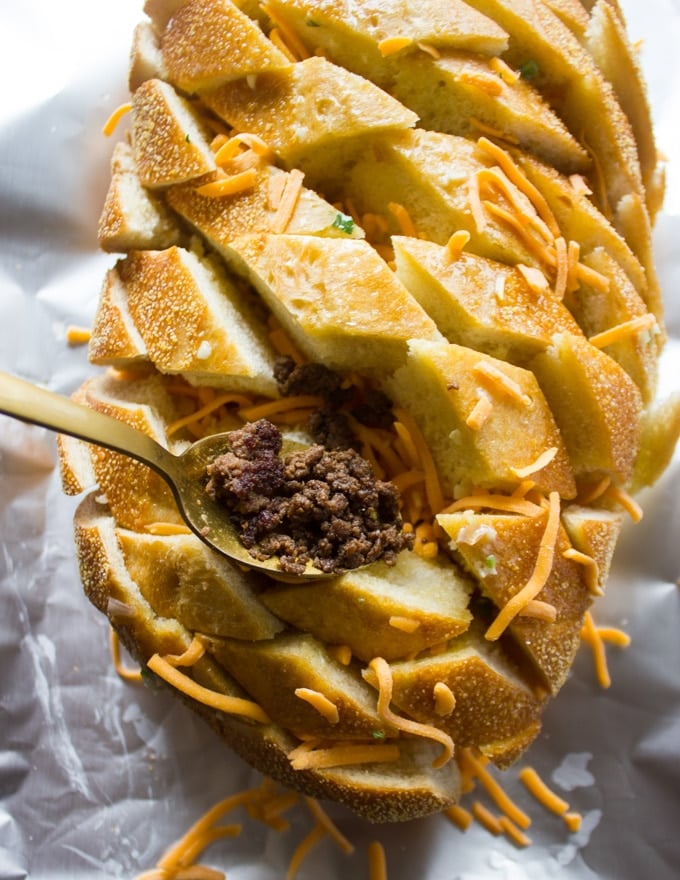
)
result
[(97, 776)]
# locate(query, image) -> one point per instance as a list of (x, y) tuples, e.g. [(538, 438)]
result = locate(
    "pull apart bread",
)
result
[(448, 205)]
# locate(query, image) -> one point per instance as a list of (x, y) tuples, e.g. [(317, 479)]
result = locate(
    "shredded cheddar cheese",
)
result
[(435, 494), (592, 637), (629, 504), (210, 407), (405, 624), (456, 244), (289, 34), (562, 278), (592, 571), (541, 462), (573, 821), (538, 578), (288, 201), (344, 755), (320, 702), (506, 73), (325, 821), (112, 122), (166, 529), (341, 653), (229, 185), (539, 611), (229, 147), (429, 50), (479, 413), (516, 835), (544, 795), (222, 702), (492, 86), (189, 657), (383, 674), (273, 408), (623, 331), (77, 335), (124, 672), (489, 130), (499, 381), (303, 849), (403, 218), (390, 45), (476, 768), (377, 864), (486, 818), (444, 699), (460, 817), (504, 503)]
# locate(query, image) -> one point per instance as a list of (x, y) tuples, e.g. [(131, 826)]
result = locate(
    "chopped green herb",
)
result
[(529, 70), (490, 564), (378, 734), (311, 23), (343, 223), (188, 139)]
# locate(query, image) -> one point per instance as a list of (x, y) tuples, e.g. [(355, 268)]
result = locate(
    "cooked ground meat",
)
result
[(318, 505), (306, 379), (331, 429)]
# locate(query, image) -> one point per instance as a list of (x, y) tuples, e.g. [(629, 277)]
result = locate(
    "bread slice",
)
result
[(194, 322), (442, 384), (194, 41), (480, 303), (434, 175), (608, 43), (376, 612), (392, 792), (477, 674), (596, 404), (360, 318), (597, 310), (581, 95), (359, 39), (181, 578), (316, 116), (170, 141), (146, 58), (260, 207), (115, 340), (466, 95), (132, 216), (500, 551)]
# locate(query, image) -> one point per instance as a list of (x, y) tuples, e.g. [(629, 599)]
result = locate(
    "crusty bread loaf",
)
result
[(449, 205)]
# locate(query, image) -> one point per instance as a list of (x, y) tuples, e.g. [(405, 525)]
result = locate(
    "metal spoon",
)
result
[(183, 473)]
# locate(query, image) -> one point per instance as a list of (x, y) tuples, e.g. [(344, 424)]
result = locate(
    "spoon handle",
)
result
[(31, 403)]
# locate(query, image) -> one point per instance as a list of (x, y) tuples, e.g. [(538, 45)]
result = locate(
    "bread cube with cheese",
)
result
[(208, 42), (480, 303), (280, 673), (360, 318), (375, 611), (501, 552), (485, 421)]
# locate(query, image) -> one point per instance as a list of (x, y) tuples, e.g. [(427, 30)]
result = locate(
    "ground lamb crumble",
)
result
[(319, 505)]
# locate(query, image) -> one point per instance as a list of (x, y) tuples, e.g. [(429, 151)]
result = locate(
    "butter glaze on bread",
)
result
[(398, 195)]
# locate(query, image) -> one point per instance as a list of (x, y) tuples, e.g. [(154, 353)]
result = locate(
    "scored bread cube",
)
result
[(596, 405), (337, 298), (480, 303), (376, 611), (209, 42), (470, 97), (146, 57), (133, 217), (360, 39), (115, 340), (193, 321), (500, 551), (181, 577), (260, 209), (493, 704), (170, 142), (272, 670), (315, 116), (442, 386)]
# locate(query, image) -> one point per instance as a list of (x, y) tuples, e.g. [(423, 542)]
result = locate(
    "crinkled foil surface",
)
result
[(97, 776)]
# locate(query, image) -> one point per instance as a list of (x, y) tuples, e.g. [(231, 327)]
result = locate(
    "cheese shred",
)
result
[(539, 577), (320, 702), (383, 674)]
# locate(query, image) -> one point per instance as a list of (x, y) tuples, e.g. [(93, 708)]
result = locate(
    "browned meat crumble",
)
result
[(317, 505)]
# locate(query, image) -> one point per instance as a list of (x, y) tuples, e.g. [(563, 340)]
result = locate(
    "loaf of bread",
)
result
[(422, 230)]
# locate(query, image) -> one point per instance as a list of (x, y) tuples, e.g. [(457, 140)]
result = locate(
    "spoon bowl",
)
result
[(185, 474)]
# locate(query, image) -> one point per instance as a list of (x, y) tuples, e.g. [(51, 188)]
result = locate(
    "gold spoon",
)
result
[(184, 473)]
